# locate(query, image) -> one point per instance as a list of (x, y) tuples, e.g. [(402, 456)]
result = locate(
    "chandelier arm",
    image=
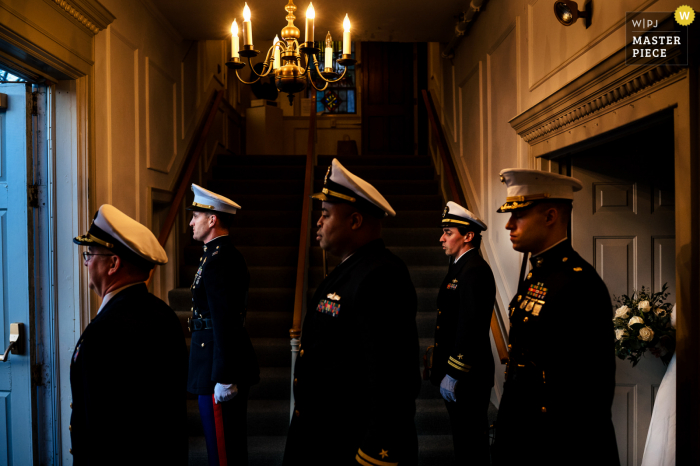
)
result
[(306, 68), (265, 65), (345, 70), (246, 82), (311, 80)]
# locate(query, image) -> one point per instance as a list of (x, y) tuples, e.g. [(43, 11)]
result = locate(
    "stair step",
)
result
[(260, 172), (266, 202), (394, 237), (275, 382), (260, 160), (270, 324), (246, 186), (389, 172), (273, 352), (425, 321), (435, 449), (265, 237), (381, 160)]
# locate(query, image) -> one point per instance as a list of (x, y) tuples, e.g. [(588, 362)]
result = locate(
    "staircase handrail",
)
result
[(190, 164), (302, 260), (457, 194)]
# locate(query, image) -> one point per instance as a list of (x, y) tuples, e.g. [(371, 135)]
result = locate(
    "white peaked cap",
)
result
[(343, 186), (115, 230), (208, 200), (455, 215), (524, 187)]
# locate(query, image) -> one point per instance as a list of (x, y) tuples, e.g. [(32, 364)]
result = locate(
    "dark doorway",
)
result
[(387, 98)]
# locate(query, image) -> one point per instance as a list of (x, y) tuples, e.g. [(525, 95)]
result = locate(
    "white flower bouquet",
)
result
[(643, 322)]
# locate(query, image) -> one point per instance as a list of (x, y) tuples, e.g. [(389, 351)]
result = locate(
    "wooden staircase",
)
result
[(266, 231)]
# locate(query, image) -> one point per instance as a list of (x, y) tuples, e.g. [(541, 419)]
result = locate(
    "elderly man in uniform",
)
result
[(356, 376), (463, 364), (223, 364), (129, 369), (556, 405)]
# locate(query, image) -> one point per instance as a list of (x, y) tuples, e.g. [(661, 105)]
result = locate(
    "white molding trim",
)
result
[(88, 13), (604, 88)]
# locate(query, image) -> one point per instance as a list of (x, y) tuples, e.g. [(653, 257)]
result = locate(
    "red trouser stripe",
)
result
[(220, 441)]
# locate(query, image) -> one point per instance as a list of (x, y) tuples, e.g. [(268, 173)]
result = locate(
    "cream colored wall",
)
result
[(151, 88), (515, 56)]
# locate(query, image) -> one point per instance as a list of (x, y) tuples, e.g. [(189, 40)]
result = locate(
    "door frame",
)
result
[(609, 96)]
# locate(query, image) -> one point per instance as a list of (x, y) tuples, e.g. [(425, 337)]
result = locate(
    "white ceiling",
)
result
[(372, 20)]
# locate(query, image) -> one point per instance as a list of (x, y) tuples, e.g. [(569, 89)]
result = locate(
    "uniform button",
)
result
[(296, 412), (439, 312), (202, 345), (526, 319), (529, 276), (436, 345), (438, 327), (71, 406), (295, 381), (301, 353), (70, 428), (565, 259)]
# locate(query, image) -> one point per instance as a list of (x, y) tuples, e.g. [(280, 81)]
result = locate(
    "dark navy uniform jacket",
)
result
[(128, 374), (462, 339), (223, 353), (556, 405), (357, 374)]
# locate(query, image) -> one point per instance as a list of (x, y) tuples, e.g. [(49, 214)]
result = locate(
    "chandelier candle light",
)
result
[(284, 58)]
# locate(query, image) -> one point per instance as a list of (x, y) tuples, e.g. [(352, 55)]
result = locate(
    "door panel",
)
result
[(387, 98), (623, 224), (15, 380)]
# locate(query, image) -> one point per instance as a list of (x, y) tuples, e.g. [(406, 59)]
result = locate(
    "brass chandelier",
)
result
[(284, 58)]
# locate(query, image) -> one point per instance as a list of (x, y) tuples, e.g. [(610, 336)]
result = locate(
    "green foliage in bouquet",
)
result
[(643, 322)]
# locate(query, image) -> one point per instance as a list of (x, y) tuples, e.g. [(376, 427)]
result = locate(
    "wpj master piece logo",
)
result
[(658, 37)]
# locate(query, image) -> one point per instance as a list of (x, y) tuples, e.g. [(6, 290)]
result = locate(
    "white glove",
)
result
[(224, 392), (447, 388)]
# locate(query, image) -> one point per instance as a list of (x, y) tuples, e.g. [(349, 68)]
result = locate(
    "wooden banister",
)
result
[(457, 194), (295, 331), (193, 157)]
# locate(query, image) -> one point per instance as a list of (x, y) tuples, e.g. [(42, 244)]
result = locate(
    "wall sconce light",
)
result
[(567, 12)]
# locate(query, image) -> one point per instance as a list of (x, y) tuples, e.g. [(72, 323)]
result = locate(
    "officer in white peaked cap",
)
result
[(546, 413), (112, 372), (223, 364), (356, 378), (462, 362)]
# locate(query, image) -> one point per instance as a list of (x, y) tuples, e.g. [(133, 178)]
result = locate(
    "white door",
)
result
[(16, 277), (623, 224)]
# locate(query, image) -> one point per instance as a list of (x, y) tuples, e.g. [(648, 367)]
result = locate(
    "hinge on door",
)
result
[(33, 196), (35, 106)]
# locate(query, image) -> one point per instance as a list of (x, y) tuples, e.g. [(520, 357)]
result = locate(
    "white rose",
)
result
[(622, 312), (621, 333), (635, 320), (646, 334), (659, 312), (644, 306)]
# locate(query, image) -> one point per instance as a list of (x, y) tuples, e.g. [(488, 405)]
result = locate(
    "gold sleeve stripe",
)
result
[(457, 367), (362, 456), (460, 363)]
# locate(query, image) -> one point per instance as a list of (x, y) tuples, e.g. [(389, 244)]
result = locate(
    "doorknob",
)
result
[(15, 333)]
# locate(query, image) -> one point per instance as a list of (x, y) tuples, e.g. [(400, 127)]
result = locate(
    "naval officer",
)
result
[(223, 364), (356, 376), (560, 382), (463, 364), (128, 371)]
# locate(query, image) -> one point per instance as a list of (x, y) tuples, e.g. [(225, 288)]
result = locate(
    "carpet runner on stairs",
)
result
[(266, 231)]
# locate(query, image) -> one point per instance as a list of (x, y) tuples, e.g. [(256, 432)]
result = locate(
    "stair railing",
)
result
[(455, 191), (304, 240)]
